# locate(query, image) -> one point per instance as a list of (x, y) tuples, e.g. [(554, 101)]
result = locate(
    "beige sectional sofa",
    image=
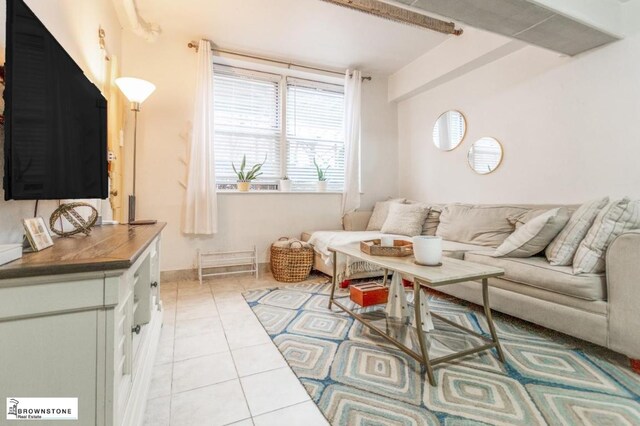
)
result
[(600, 308)]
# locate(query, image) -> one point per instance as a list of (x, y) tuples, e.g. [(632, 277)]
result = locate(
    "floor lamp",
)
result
[(137, 91)]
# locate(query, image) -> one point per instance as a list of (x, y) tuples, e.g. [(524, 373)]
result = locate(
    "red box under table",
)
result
[(367, 294)]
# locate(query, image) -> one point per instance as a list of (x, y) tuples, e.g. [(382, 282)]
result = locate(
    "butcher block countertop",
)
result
[(108, 247)]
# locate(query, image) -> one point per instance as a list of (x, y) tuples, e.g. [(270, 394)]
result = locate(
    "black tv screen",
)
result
[(55, 118)]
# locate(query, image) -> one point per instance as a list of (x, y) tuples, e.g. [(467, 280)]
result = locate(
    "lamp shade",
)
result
[(135, 89)]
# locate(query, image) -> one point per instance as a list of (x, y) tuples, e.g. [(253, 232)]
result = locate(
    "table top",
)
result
[(452, 270), (107, 248)]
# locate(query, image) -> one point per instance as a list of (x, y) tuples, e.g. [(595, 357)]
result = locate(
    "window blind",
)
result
[(314, 130), (246, 121)]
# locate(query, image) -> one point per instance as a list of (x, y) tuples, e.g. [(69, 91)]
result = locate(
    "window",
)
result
[(291, 121), (315, 131), (246, 121)]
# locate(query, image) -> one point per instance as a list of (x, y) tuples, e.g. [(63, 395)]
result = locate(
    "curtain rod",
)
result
[(194, 45)]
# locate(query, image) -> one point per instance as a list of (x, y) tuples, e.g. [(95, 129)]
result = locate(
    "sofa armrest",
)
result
[(356, 221), (623, 292)]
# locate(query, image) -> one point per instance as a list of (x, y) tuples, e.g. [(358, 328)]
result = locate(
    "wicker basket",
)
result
[(292, 263)]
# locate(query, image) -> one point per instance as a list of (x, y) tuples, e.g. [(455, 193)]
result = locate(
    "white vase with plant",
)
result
[(321, 185), (285, 184), (245, 178)]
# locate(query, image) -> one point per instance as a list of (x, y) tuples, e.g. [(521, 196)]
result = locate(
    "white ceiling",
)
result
[(308, 31)]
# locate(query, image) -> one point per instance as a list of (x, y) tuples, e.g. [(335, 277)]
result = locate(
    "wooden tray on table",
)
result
[(401, 248)]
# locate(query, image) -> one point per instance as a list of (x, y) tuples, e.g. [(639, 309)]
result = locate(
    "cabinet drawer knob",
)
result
[(154, 284), (136, 329)]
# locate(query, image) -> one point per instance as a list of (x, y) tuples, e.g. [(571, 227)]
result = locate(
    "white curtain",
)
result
[(201, 206), (352, 122)]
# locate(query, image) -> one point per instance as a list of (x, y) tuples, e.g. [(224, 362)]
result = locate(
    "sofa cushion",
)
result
[(356, 220), (477, 224), (563, 248), (458, 250), (616, 218), (405, 219), (538, 272), (535, 210), (380, 212), (521, 219), (532, 237)]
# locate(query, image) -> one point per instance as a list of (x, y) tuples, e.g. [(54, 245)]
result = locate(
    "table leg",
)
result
[(417, 290), (487, 314), (386, 276), (334, 279)]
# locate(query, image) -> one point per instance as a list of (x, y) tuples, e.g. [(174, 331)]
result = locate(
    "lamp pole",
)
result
[(136, 90), (135, 107)]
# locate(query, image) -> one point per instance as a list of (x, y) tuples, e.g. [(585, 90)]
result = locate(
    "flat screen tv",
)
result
[(55, 118)]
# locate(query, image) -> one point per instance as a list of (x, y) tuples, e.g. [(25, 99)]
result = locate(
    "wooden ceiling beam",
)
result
[(398, 14)]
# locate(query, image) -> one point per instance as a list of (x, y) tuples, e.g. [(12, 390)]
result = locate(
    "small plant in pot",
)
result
[(321, 185), (245, 178), (285, 184)]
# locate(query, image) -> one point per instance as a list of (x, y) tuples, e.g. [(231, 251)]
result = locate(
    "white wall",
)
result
[(244, 219), (75, 25), (568, 126)]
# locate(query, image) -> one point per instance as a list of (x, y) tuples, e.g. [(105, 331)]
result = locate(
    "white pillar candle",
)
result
[(386, 241), (427, 250)]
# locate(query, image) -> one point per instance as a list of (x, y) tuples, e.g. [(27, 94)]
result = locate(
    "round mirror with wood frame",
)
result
[(485, 155), (449, 130)]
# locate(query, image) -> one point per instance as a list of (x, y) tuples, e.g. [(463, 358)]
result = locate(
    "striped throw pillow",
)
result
[(616, 218), (563, 248)]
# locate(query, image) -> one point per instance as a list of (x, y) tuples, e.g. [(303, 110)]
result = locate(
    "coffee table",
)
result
[(450, 272)]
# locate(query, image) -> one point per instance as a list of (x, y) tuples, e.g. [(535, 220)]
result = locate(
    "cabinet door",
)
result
[(123, 359), (155, 273), (51, 356), (142, 292)]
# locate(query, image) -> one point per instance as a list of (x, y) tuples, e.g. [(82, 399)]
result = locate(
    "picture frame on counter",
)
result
[(37, 233)]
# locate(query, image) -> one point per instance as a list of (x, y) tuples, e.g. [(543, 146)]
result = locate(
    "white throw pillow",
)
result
[(616, 218), (405, 219), (532, 237), (563, 248), (380, 212)]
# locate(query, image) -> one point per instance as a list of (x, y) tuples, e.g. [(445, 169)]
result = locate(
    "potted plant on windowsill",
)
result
[(321, 185), (244, 179), (285, 184)]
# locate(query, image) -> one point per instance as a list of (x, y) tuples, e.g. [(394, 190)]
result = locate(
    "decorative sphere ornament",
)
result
[(79, 223)]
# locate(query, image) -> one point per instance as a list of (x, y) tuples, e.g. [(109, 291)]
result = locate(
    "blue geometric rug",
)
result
[(357, 378)]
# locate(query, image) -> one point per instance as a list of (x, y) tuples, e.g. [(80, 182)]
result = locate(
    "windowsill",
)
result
[(258, 192)]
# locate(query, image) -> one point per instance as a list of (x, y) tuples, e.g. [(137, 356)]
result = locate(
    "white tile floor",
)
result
[(217, 366)]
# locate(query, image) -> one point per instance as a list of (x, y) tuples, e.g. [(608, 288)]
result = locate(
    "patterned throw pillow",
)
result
[(563, 248), (380, 212), (405, 219), (433, 220), (616, 218), (532, 237)]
